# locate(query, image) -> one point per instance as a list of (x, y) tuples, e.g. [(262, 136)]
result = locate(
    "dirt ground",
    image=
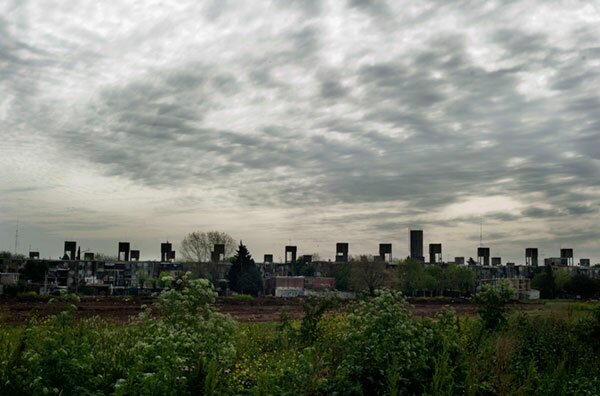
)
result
[(120, 309)]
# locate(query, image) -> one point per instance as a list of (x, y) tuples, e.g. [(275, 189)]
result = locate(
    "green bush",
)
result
[(381, 332), (314, 308), (182, 346), (492, 301), (177, 354)]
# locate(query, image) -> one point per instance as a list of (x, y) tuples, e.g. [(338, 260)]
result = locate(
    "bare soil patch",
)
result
[(264, 309)]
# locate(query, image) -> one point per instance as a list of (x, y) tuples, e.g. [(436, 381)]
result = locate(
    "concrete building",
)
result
[(416, 245), (295, 286)]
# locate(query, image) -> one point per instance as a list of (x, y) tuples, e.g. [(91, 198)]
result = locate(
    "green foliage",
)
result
[(492, 301), (448, 362), (411, 276), (461, 279), (556, 356), (185, 299), (303, 268), (561, 279), (414, 277), (552, 283), (381, 331), (368, 275), (544, 282), (5, 254), (144, 278), (98, 256), (583, 286), (242, 297), (243, 275), (314, 308), (343, 276), (182, 346), (178, 354)]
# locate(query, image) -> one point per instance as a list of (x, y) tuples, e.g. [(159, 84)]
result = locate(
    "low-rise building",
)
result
[(294, 286)]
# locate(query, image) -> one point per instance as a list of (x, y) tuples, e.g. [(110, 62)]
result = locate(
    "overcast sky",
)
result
[(306, 123)]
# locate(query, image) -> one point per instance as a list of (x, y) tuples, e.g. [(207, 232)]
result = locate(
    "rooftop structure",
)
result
[(341, 252), (566, 256), (218, 253), (416, 245), (123, 254), (483, 255), (290, 254), (385, 252), (531, 257), (435, 253)]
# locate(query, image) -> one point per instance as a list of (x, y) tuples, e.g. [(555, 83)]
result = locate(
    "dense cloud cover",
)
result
[(305, 122)]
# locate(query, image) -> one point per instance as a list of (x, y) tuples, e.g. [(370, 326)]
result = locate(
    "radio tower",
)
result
[(17, 237), (481, 231)]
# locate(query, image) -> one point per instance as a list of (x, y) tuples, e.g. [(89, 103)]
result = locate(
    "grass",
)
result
[(560, 309)]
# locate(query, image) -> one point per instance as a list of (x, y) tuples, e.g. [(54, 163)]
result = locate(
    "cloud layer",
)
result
[(311, 122)]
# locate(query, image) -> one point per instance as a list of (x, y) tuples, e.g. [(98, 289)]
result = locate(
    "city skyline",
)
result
[(305, 123), (330, 253)]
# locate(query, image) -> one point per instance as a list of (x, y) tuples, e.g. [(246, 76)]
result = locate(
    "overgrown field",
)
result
[(375, 347)]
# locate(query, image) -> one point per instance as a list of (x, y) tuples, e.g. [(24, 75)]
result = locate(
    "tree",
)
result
[(561, 278), (544, 282), (583, 286), (461, 279), (250, 282), (437, 276), (411, 276), (5, 254), (369, 274), (244, 277), (143, 277), (197, 246), (343, 276), (303, 268)]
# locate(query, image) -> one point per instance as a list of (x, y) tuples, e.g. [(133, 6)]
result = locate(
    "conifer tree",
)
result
[(244, 277)]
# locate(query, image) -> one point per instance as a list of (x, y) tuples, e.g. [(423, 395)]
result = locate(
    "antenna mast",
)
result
[(481, 231), (17, 237)]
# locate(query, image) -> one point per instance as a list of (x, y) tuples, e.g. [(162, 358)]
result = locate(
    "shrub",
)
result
[(381, 332), (178, 354), (447, 360), (314, 308), (492, 301)]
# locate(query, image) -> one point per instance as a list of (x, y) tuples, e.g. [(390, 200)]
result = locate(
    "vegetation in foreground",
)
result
[(376, 347)]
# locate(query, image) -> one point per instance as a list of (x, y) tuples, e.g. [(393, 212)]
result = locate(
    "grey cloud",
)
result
[(395, 92), (302, 118), (540, 212), (522, 44), (375, 7), (332, 89), (582, 209), (592, 53)]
